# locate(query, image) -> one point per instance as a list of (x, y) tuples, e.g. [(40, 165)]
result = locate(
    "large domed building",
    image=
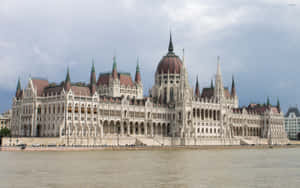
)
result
[(114, 111)]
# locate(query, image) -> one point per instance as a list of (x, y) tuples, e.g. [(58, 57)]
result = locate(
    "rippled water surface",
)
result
[(181, 168)]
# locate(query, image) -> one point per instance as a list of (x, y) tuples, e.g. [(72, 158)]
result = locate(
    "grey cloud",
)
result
[(258, 41)]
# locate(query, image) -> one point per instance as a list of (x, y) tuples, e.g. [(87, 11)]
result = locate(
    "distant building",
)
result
[(292, 123), (114, 108), (5, 119)]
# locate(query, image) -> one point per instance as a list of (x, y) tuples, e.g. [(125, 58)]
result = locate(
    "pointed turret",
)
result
[(170, 44), (233, 91), (268, 101), (68, 81), (219, 89), (211, 84), (93, 79), (278, 105), (197, 90), (18, 90), (114, 69), (137, 73)]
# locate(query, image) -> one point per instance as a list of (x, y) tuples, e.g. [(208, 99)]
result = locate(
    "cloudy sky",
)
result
[(258, 42)]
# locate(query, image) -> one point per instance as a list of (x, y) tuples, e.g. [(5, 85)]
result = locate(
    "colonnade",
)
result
[(116, 128), (246, 131), (206, 114)]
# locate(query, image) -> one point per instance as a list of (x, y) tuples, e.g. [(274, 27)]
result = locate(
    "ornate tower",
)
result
[(114, 81), (138, 81), (170, 78)]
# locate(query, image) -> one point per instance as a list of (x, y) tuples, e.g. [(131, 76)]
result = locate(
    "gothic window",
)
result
[(165, 95), (171, 94), (39, 110)]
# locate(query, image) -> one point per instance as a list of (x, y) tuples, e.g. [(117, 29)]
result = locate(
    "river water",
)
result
[(154, 168)]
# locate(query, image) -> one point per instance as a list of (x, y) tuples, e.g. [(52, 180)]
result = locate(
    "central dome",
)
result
[(170, 63)]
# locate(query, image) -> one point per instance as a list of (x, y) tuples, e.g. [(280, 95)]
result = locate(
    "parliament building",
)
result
[(113, 110)]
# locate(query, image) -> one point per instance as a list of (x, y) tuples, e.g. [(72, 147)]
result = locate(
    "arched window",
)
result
[(165, 95)]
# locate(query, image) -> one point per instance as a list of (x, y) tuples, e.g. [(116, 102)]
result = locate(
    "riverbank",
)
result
[(111, 148)]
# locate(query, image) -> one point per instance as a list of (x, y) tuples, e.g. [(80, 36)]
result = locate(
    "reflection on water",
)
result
[(182, 168)]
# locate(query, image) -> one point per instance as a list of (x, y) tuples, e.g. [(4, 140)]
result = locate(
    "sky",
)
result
[(258, 42)]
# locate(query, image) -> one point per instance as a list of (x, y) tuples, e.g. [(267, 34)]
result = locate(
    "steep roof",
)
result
[(125, 79), (209, 92), (40, 85), (81, 90), (226, 93)]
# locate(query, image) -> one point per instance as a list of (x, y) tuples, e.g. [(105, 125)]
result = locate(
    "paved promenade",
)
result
[(63, 148)]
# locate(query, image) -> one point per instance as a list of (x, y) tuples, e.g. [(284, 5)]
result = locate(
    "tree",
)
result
[(4, 132)]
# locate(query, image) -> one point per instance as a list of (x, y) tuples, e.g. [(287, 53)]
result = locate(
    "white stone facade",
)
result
[(171, 115)]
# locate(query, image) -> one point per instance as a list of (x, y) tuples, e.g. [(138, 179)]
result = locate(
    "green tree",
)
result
[(4, 132)]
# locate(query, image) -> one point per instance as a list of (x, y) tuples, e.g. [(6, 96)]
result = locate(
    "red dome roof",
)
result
[(169, 63)]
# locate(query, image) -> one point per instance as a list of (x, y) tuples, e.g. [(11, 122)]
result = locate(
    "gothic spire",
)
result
[(211, 84), (93, 79), (219, 89), (114, 69), (137, 72), (278, 104), (233, 91), (197, 90), (19, 84), (268, 101), (171, 44), (18, 90), (68, 81), (93, 66)]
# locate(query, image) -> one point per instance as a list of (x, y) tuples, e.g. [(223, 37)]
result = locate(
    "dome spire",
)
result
[(171, 44)]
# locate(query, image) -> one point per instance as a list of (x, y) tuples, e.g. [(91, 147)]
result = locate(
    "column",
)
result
[(128, 128), (146, 129)]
